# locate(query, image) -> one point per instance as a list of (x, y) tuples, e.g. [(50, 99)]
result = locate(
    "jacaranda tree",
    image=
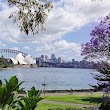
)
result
[(99, 45), (30, 15)]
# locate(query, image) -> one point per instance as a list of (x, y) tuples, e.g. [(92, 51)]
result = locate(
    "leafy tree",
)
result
[(103, 78), (4, 63), (99, 45), (30, 15)]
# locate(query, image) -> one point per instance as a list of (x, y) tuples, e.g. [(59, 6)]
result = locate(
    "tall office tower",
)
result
[(46, 57), (73, 60), (52, 56), (42, 56), (59, 59)]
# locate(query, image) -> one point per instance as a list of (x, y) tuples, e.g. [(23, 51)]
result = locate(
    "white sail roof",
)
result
[(21, 62), (29, 60), (19, 57), (15, 62)]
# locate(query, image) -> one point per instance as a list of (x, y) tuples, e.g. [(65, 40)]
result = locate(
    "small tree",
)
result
[(103, 77)]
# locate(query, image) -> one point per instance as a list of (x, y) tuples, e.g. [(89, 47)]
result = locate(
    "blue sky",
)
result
[(68, 26)]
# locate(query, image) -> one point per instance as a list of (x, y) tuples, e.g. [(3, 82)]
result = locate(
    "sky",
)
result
[(68, 26)]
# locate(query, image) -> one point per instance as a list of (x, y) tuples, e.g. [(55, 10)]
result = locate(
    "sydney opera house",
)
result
[(20, 60)]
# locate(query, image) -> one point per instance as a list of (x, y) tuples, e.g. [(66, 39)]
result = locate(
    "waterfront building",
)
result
[(20, 60), (42, 56), (39, 62), (73, 60), (46, 57), (52, 56), (59, 59)]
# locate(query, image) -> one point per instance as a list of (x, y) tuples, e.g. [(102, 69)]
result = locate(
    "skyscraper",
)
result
[(52, 56), (46, 57), (42, 56), (59, 59)]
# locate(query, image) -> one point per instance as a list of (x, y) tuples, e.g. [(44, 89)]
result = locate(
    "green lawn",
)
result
[(43, 106), (93, 99)]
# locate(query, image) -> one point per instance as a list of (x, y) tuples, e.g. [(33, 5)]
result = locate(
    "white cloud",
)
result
[(2, 44), (66, 16), (26, 47), (62, 48)]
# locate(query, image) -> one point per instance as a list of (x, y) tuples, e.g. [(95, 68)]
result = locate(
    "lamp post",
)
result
[(44, 85)]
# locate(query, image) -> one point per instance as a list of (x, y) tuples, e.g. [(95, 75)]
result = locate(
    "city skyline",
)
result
[(66, 28), (50, 58)]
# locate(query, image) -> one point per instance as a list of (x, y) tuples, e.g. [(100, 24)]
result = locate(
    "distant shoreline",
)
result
[(69, 91), (36, 67)]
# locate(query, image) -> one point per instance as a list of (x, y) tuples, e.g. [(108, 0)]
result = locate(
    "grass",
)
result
[(43, 106), (93, 99)]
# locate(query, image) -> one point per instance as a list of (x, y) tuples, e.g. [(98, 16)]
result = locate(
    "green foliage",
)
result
[(103, 77), (30, 101), (9, 99), (8, 91), (4, 63), (105, 104)]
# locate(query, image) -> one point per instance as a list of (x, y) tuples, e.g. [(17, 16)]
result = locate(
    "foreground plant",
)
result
[(8, 91), (9, 100), (30, 101)]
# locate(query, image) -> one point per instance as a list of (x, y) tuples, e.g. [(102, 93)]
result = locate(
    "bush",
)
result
[(9, 99), (105, 104)]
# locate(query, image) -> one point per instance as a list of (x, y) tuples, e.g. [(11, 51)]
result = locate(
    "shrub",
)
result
[(9, 100)]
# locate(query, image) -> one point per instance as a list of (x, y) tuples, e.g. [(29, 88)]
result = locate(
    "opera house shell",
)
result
[(20, 60)]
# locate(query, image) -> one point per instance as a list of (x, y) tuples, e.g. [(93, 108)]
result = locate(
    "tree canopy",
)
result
[(30, 15), (99, 45)]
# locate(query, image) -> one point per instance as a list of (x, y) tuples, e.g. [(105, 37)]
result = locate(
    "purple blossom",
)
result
[(107, 87), (99, 43)]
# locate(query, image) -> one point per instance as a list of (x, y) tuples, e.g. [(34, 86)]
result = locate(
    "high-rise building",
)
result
[(46, 57), (42, 56), (59, 59), (73, 60), (52, 56)]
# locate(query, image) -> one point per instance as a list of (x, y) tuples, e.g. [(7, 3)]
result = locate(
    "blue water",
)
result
[(55, 78)]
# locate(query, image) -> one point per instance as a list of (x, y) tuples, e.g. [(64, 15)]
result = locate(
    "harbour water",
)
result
[(54, 78)]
